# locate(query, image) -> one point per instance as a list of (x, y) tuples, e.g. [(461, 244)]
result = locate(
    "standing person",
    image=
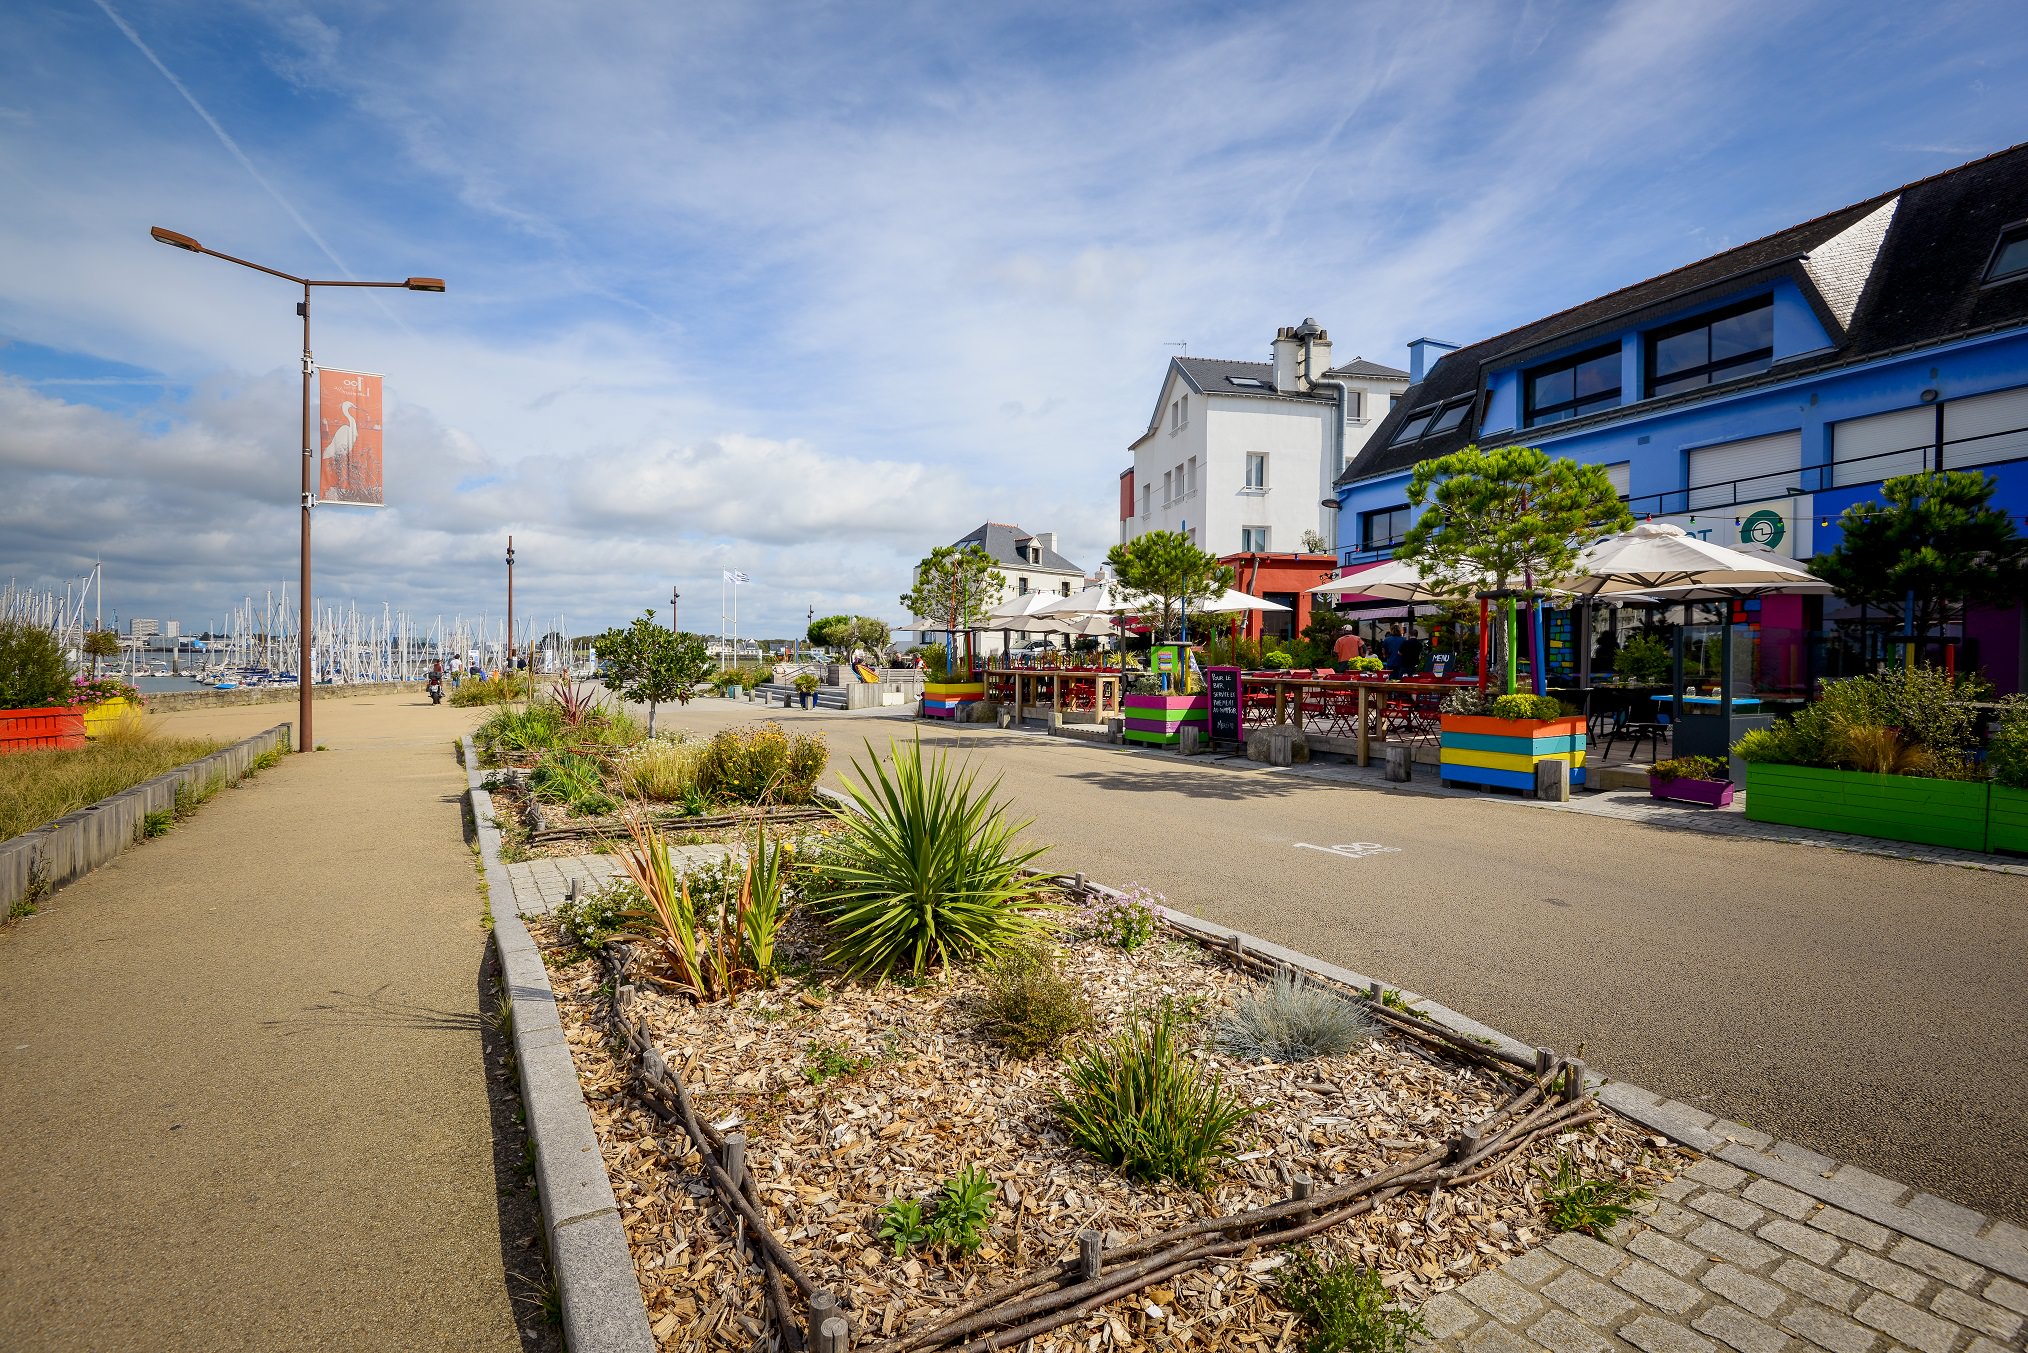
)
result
[(1348, 647), (1408, 659), (1390, 648)]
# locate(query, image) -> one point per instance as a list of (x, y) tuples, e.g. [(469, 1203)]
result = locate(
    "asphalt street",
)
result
[(1872, 1009)]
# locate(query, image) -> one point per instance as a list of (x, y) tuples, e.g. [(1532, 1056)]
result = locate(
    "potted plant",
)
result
[(1691, 779), (1495, 743), (105, 700), (1365, 665), (1885, 754), (806, 687), (38, 700)]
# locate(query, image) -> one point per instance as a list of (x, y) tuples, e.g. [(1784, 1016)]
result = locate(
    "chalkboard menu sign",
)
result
[(1222, 684)]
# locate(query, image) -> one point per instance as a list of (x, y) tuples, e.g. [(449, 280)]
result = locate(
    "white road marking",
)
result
[(1353, 850)]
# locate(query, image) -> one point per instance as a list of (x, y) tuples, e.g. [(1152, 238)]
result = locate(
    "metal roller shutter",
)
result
[(1618, 473), (1742, 472), (1864, 450), (1985, 428)]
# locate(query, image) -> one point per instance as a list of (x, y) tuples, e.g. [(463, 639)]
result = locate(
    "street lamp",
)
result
[(510, 608), (674, 597), (304, 740)]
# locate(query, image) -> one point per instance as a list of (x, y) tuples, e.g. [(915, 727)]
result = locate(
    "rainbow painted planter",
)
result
[(1159, 719), (26, 730), (946, 699), (1476, 749)]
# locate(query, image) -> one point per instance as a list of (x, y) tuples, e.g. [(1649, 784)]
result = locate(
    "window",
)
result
[(1249, 382), (1414, 426), (1021, 587), (1449, 418), (1572, 387), (1253, 539), (2010, 256), (1620, 473), (1168, 487), (1743, 472), (1256, 471), (1721, 346), (1147, 499), (1393, 399), (1383, 529), (1190, 480), (1179, 413), (1355, 404)]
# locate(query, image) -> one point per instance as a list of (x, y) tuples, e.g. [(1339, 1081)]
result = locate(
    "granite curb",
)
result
[(67, 849), (1989, 1242), (601, 1300)]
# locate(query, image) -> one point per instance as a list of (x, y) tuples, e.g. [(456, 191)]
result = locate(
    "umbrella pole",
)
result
[(1513, 640), (1540, 652), (1485, 644)]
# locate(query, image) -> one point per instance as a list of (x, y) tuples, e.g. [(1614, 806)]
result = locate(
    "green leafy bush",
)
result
[(575, 781), (1925, 713), (927, 871), (1290, 1020), (615, 908), (1533, 707), (1691, 768), (492, 690), (762, 763), (1365, 662), (807, 683), (1645, 660), (34, 670), (1278, 660), (1344, 1308), (1136, 1101), (956, 1220), (2007, 754), (1028, 1005), (1126, 920)]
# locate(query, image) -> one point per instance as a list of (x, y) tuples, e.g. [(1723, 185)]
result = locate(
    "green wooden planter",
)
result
[(2007, 820), (1891, 807)]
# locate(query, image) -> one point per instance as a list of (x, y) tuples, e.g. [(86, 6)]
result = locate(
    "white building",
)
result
[(144, 629), (1242, 455), (1029, 563)]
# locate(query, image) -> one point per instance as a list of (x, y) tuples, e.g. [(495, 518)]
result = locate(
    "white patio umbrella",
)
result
[(1392, 580), (1236, 600), (1100, 599), (1660, 555)]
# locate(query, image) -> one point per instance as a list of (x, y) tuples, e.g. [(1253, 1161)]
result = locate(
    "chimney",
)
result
[(1047, 540), (1287, 346), (1419, 356), (1316, 359)]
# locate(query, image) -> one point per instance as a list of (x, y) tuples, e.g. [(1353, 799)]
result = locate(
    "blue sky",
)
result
[(805, 290)]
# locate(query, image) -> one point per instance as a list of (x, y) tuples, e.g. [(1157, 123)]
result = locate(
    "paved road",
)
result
[(241, 1083), (1873, 1009)]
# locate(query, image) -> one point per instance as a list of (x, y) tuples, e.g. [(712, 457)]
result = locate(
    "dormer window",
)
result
[(1432, 421), (1572, 387), (1719, 346), (1413, 426), (2010, 255)]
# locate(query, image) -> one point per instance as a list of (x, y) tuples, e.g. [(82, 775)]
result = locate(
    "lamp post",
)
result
[(674, 597), (510, 608), (305, 741)]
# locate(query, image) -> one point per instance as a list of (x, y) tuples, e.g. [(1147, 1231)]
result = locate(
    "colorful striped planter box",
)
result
[(1891, 807), (1477, 749), (2007, 819), (1158, 720), (25, 730), (944, 699)]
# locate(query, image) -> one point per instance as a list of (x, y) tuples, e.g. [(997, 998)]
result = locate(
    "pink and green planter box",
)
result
[(949, 699), (1159, 720), (1477, 749), (1891, 807)]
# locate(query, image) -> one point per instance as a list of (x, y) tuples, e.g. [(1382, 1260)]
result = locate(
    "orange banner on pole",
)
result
[(348, 419)]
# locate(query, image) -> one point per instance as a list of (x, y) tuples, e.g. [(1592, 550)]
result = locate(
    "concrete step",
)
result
[(827, 697)]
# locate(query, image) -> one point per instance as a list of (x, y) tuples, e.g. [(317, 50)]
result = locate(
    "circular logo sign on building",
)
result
[(1764, 528)]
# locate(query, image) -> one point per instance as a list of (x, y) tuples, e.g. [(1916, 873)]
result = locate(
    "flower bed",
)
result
[(852, 1095)]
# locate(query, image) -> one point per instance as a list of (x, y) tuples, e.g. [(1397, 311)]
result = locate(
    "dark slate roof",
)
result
[(998, 540), (1359, 366), (1924, 285), (1213, 376)]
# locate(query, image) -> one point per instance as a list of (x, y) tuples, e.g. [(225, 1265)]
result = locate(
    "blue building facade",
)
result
[(1753, 396)]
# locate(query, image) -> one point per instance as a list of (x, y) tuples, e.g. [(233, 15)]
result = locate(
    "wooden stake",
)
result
[(1573, 1084), (1300, 1188), (823, 1309), (735, 1157), (834, 1335), (1091, 1246)]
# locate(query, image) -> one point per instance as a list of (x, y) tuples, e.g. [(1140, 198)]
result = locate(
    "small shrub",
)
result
[(1277, 661), (1691, 768), (1929, 712), (1365, 662), (2007, 753), (1126, 922), (1465, 700), (158, 823), (575, 781), (34, 669), (1290, 1020), (535, 728), (1520, 706), (1344, 1308), (1877, 750), (1137, 1102), (926, 873), (807, 683), (1644, 660), (1592, 1206), (1029, 1005), (902, 1224), (762, 763), (826, 1061), (491, 690), (615, 908)]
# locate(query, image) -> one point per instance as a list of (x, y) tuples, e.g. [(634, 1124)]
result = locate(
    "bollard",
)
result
[(1091, 1246), (1081, 883), (1400, 764), (1552, 781), (735, 1157)]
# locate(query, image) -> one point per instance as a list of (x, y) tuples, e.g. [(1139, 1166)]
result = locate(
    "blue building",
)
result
[(1752, 396)]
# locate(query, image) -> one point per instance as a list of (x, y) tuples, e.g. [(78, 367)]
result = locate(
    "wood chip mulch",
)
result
[(929, 1095)]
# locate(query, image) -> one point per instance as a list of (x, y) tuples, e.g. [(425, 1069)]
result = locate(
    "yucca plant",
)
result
[(763, 900), (1137, 1102), (926, 871), (706, 957)]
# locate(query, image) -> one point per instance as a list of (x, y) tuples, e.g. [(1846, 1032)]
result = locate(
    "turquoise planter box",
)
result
[(1891, 807), (2007, 820)]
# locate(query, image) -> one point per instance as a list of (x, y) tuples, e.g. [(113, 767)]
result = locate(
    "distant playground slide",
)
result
[(865, 673)]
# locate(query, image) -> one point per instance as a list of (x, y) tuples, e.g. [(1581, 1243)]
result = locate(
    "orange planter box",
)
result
[(1512, 728), (25, 730)]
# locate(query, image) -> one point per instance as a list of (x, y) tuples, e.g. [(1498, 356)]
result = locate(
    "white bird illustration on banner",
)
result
[(343, 438)]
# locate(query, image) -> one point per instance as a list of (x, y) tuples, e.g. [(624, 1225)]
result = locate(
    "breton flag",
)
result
[(736, 578)]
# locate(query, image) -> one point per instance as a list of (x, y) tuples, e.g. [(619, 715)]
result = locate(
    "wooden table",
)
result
[(1027, 683), (1368, 705)]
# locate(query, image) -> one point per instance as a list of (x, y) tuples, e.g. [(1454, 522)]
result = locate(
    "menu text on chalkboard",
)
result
[(1222, 684)]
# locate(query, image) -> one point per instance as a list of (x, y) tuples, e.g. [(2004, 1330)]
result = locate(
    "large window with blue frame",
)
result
[(1717, 346), (1572, 386)]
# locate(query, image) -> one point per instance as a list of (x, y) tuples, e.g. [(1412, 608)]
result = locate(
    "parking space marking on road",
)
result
[(1352, 850)]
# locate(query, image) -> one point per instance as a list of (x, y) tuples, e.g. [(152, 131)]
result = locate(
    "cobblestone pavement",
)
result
[(1728, 1258), (541, 884)]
